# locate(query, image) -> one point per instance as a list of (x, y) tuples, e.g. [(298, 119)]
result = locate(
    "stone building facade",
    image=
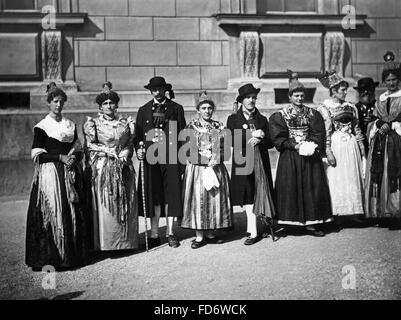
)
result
[(195, 44)]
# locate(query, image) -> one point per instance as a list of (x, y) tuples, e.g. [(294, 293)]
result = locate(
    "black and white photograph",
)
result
[(200, 154)]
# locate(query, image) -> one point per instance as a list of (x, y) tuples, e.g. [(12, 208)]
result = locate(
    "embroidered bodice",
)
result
[(109, 136), (298, 121), (208, 135), (342, 117)]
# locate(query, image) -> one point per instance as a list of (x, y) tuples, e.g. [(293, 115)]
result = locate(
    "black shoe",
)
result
[(336, 227), (197, 244), (395, 225), (250, 241), (37, 269), (214, 240), (154, 242), (315, 233), (173, 242)]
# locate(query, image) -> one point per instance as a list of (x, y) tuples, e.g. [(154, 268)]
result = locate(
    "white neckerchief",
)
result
[(247, 113), (62, 130), (157, 102), (385, 95), (330, 103)]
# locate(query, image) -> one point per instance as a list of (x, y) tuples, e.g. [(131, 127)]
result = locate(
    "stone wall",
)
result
[(132, 40), (384, 20)]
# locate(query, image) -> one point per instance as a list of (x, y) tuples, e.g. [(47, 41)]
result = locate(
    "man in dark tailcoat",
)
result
[(158, 124), (367, 99), (252, 190)]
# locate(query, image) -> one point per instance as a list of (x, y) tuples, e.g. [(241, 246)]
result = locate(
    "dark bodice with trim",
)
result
[(53, 146)]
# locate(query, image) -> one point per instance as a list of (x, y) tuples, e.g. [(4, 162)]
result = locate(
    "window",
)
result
[(18, 5), (14, 100), (281, 6)]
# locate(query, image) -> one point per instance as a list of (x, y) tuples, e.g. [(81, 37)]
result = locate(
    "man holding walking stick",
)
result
[(158, 123)]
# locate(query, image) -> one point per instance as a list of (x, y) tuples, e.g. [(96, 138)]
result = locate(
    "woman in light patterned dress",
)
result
[(344, 149), (111, 175), (206, 194)]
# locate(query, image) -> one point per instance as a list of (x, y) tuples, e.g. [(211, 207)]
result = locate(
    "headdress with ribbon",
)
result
[(330, 79), (107, 94), (390, 66), (294, 84)]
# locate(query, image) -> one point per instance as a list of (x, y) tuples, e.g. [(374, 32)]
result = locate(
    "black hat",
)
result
[(245, 90), (158, 82), (366, 84)]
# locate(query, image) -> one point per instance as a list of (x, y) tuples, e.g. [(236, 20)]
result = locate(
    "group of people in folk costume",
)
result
[(336, 160)]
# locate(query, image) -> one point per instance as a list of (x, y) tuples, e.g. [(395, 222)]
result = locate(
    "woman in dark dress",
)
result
[(56, 225), (383, 172), (298, 132), (253, 189)]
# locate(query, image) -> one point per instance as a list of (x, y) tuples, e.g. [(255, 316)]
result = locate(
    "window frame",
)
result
[(284, 5), (3, 5)]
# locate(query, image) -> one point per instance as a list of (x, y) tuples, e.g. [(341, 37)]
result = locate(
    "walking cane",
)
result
[(142, 168)]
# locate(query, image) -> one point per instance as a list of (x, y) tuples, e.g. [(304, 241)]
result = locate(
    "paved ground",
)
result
[(296, 266)]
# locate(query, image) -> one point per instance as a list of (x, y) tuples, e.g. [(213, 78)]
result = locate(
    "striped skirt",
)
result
[(202, 209)]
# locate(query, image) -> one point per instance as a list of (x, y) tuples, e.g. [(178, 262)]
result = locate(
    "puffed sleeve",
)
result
[(39, 138), (328, 124), (318, 132), (358, 132), (279, 133), (38, 147), (89, 129), (91, 144), (127, 143), (222, 146), (192, 140)]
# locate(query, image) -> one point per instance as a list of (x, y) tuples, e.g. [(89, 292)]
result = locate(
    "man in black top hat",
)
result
[(366, 88), (244, 189), (157, 120)]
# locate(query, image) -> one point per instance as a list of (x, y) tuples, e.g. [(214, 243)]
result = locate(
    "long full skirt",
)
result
[(57, 228), (113, 229), (302, 191), (380, 202), (206, 210), (345, 179)]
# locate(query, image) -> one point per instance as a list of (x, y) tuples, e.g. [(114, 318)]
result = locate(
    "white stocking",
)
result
[(199, 235), (251, 221)]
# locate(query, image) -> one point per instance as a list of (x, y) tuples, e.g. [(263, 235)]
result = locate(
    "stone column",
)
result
[(334, 44), (51, 56), (249, 54)]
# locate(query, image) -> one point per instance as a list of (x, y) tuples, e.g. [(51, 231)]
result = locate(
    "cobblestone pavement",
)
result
[(297, 266)]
